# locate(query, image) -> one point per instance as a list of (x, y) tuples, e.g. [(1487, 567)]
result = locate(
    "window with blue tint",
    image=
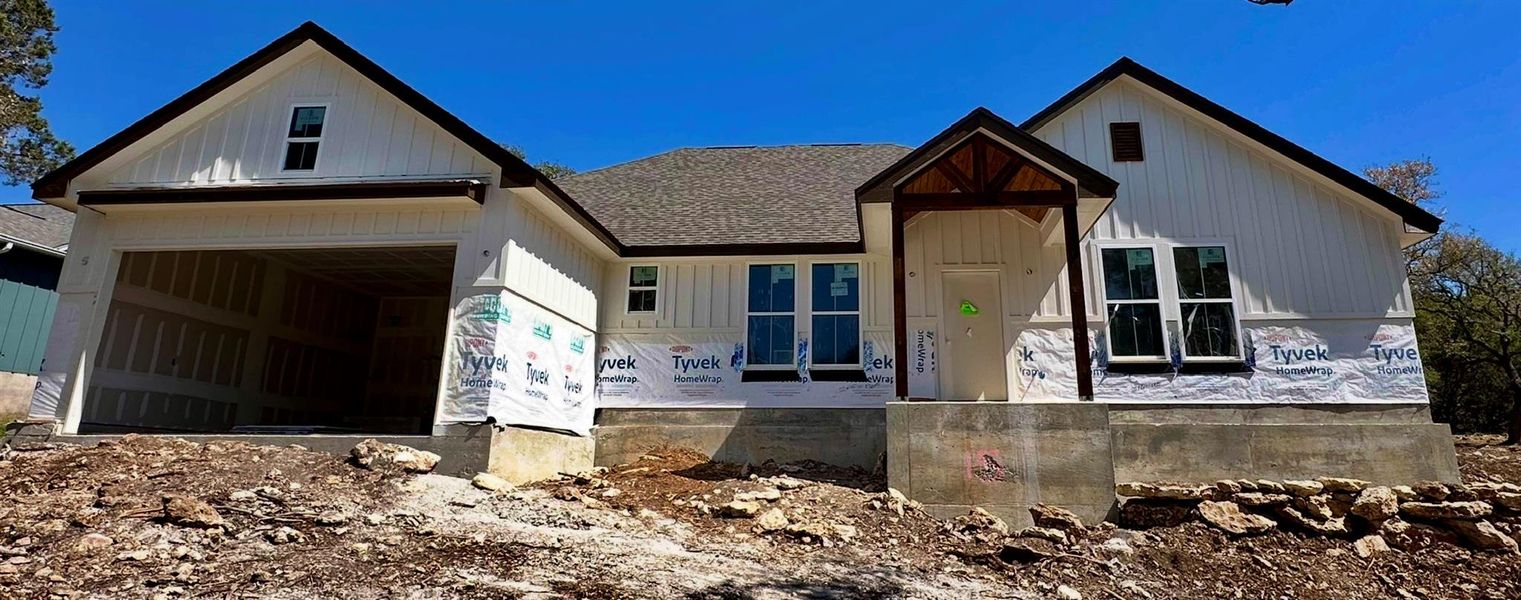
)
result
[(303, 138), (1205, 303), (771, 315), (836, 316)]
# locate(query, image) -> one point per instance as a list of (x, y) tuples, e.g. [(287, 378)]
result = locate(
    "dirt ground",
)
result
[(290, 523)]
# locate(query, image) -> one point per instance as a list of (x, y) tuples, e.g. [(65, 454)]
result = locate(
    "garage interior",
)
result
[(334, 340)]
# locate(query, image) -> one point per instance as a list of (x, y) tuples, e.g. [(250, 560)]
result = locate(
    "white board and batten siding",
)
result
[(1299, 248), (367, 134), (709, 295)]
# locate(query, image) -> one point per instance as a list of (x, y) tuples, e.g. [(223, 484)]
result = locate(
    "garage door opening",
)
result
[(273, 341)]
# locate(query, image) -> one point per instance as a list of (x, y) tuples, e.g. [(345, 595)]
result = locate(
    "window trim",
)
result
[(792, 349), (1230, 277), (628, 284), (860, 317), (1168, 297), (1104, 301), (287, 140)]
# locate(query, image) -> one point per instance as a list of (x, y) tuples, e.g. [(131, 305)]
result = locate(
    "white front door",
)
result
[(973, 336)]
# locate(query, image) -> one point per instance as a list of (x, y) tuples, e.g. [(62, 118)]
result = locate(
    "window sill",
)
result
[(851, 375), (1188, 368), (769, 376)]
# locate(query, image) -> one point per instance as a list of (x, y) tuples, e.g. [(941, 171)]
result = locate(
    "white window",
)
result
[(1133, 306), (1206, 308), (643, 286), (770, 318), (836, 317), (304, 137)]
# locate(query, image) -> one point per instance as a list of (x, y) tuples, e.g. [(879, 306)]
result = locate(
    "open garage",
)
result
[(267, 341)]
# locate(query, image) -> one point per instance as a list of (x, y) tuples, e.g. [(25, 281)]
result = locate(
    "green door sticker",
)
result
[(969, 309)]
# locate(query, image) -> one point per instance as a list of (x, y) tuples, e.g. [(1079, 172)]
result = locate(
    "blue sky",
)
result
[(592, 84)]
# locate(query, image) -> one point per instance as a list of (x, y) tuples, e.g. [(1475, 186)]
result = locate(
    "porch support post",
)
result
[(1077, 304), (900, 302)]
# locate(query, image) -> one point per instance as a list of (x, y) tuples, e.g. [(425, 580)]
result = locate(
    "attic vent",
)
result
[(1125, 141)]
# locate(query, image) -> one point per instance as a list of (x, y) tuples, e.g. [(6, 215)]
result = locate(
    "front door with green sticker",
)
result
[(973, 357)]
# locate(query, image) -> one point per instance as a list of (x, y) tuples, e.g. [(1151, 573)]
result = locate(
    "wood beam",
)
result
[(900, 302), (984, 200), (957, 178), (1077, 303)]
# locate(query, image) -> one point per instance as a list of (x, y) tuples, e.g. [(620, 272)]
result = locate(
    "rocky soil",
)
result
[(157, 517)]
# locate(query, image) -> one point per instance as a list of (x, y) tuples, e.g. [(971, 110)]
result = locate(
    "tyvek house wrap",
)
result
[(520, 364), (1328, 361)]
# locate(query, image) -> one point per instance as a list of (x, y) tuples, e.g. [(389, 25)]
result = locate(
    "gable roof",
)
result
[(54, 183), (1413, 215), (1090, 182), (42, 225), (696, 200)]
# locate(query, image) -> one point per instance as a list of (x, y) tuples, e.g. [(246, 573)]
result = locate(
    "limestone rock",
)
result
[(1328, 527), (1227, 517), (1260, 499), (1466, 511), (284, 535), (1226, 486), (1369, 546), (978, 520), (374, 454), (844, 532), (1405, 493), (1318, 506), (1140, 513), (1340, 503), (766, 495), (1412, 537), (1055, 536), (1067, 593), (1508, 500), (490, 483), (788, 484), (1483, 535), (1247, 485), (1055, 517), (813, 531), (1022, 551), (1269, 486), (1376, 504), (330, 518), (191, 512), (91, 542), (740, 509), (1432, 490), (1303, 487), (771, 520), (1342, 484), (1168, 491)]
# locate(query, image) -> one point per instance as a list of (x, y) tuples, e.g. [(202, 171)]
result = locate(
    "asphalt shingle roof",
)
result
[(733, 195), (41, 224)]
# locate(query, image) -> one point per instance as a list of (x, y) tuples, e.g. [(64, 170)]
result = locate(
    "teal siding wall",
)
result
[(26, 314)]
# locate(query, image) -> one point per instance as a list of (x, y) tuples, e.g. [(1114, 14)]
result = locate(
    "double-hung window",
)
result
[(836, 317), (1133, 306), (1205, 307), (643, 289), (770, 319), (304, 137)]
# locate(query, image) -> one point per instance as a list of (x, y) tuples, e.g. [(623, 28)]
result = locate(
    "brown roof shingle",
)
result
[(733, 195), (40, 224)]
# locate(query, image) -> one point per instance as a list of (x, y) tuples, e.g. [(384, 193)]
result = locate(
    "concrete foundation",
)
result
[(838, 436), (1392, 444), (1003, 457), (523, 455), (15, 394)]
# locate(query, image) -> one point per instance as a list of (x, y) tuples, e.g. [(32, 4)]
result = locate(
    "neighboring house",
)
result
[(304, 243), (33, 239)]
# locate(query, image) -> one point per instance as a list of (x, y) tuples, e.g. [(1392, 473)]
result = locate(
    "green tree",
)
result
[(552, 170), (28, 147), (1468, 313)]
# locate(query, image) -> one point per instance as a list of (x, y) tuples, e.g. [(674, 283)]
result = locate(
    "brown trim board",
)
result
[(1412, 214), (473, 190)]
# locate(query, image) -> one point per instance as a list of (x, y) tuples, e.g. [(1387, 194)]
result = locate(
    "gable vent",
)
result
[(1125, 141)]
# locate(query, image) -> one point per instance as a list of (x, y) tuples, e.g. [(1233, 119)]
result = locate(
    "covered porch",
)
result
[(986, 223)]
